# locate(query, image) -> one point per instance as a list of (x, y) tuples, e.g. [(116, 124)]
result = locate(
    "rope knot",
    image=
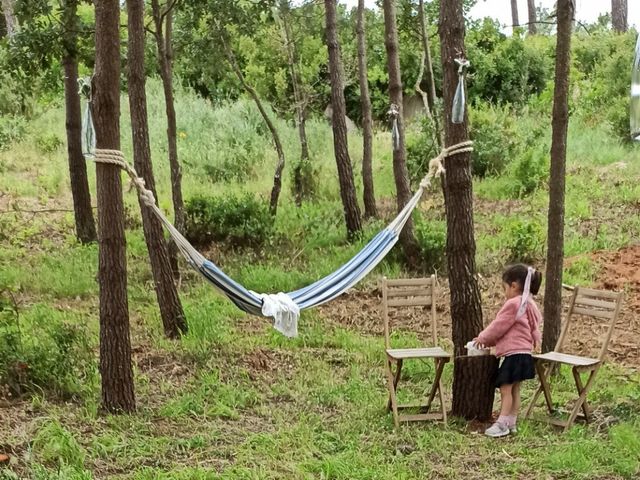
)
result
[(116, 157), (436, 167)]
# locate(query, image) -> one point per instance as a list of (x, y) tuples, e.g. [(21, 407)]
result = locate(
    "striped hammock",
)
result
[(283, 307)]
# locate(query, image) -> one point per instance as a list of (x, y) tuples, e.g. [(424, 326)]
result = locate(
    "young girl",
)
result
[(514, 333)]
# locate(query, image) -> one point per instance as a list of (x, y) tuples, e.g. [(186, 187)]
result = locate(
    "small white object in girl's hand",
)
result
[(474, 350)]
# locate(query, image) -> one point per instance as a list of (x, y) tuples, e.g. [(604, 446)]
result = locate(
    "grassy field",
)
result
[(233, 398)]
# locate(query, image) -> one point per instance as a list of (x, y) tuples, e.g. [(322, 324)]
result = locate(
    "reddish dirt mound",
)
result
[(620, 270)]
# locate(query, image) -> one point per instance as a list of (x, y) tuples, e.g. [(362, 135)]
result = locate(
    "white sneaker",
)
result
[(513, 429), (497, 430)]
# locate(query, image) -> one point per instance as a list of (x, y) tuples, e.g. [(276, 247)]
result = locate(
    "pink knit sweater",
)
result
[(509, 335)]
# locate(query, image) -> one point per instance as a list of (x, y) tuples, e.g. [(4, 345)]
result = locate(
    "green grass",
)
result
[(233, 399)]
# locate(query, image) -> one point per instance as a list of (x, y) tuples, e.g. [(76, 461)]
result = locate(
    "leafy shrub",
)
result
[(238, 219), (530, 171), (617, 115), (496, 139), (48, 143), (507, 70), (55, 357), (12, 129), (235, 160), (605, 75), (304, 174), (421, 147), (432, 239), (524, 239)]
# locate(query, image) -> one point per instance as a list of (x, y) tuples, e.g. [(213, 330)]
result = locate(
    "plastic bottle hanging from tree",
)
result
[(459, 100), (635, 95), (88, 130)]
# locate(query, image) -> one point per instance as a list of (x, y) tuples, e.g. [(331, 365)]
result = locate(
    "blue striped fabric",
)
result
[(318, 292)]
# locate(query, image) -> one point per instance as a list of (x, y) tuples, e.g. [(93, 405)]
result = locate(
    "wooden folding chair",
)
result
[(416, 292), (599, 304)]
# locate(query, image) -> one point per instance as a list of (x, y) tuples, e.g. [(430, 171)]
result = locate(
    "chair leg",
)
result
[(581, 399), (396, 378), (441, 394), (580, 387), (533, 401), (436, 387), (392, 383), (543, 373)]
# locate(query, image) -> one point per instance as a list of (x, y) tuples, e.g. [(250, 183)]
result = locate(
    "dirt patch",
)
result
[(620, 270)]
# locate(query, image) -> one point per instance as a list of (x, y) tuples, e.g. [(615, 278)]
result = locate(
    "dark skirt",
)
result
[(515, 368)]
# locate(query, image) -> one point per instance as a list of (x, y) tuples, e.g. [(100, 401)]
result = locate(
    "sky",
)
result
[(586, 10)]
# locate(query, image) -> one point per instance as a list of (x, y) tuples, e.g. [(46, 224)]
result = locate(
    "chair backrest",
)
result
[(409, 292), (600, 304)]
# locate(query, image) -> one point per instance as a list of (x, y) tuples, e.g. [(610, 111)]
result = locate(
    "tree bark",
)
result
[(83, 214), (165, 53), (370, 209), (340, 145), (173, 319), (11, 23), (514, 13), (400, 172), (427, 64), (277, 177), (300, 183), (619, 11), (115, 344), (531, 7), (555, 229), (466, 311), (474, 380)]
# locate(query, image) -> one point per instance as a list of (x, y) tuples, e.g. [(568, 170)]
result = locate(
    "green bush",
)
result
[(507, 70), (304, 173), (524, 239), (12, 129), (48, 143), (496, 139), (421, 147), (530, 171), (432, 239), (617, 115), (602, 92), (241, 220)]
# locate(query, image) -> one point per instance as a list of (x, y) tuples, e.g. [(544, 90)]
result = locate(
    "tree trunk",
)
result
[(277, 177), (171, 311), (400, 172), (474, 380), (115, 344), (370, 209), (466, 311), (300, 183), (428, 64), (619, 12), (555, 229), (514, 13), (163, 45), (85, 225), (11, 23), (340, 145), (531, 6)]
